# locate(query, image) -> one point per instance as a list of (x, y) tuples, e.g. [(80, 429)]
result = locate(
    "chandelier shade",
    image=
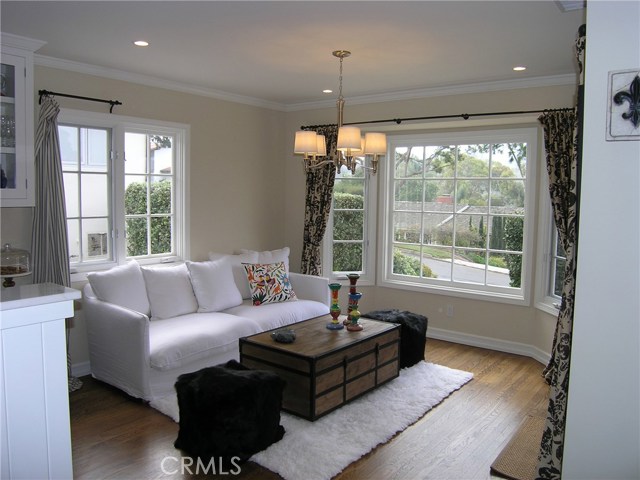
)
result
[(306, 143), (375, 143), (321, 142), (349, 139)]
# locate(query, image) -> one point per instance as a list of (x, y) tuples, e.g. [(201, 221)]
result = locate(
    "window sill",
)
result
[(457, 291), (552, 308)]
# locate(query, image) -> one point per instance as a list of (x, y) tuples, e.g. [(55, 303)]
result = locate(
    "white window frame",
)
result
[(545, 299), (118, 124), (521, 296), (368, 274)]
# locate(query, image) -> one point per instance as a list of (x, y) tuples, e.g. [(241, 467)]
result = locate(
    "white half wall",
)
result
[(602, 438)]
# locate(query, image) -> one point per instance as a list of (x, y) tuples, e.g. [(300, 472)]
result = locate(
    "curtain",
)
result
[(50, 249), (319, 194), (563, 143)]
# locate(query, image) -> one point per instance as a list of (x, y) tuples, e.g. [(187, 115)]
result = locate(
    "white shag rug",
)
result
[(320, 450)]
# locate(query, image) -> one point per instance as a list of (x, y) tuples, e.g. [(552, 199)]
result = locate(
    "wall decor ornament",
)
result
[(623, 112)]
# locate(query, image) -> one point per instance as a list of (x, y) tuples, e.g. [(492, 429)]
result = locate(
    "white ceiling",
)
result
[(280, 52)]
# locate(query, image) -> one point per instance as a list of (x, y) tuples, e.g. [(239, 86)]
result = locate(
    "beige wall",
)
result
[(236, 185), (247, 189)]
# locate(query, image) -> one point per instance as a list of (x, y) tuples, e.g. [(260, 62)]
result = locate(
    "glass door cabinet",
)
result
[(16, 115)]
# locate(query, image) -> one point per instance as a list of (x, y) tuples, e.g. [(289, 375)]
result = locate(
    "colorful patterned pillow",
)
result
[(269, 283)]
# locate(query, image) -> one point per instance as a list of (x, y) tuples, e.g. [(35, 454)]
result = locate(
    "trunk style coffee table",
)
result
[(325, 369)]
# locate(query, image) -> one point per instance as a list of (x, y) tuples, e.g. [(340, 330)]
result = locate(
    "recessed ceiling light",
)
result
[(327, 90), (141, 43), (520, 68)]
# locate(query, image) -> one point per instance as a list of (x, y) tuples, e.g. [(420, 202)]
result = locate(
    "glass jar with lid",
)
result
[(14, 262)]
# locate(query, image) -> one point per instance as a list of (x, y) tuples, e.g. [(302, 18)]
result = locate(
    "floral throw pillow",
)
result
[(269, 283)]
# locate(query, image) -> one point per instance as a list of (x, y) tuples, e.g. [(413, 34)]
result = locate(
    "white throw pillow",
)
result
[(271, 256), (239, 275), (122, 285), (169, 290), (214, 285)]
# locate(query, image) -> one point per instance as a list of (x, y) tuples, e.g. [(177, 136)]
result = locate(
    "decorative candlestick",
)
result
[(354, 325), (353, 279), (334, 309)]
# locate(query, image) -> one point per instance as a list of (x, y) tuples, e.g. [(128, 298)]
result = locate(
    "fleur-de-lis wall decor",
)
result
[(623, 112), (633, 97)]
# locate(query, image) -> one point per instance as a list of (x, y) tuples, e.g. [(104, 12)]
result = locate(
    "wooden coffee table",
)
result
[(325, 369)]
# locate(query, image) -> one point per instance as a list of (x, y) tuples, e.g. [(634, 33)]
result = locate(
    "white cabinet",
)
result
[(35, 435), (16, 108)]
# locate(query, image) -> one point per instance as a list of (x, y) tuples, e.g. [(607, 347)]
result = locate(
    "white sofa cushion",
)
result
[(122, 285), (214, 285), (169, 290), (275, 315), (174, 342), (239, 275), (270, 256)]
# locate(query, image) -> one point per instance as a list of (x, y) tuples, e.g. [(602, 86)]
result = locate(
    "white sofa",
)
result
[(148, 325)]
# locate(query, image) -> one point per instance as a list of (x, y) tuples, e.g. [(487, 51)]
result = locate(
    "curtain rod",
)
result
[(113, 103), (465, 116)]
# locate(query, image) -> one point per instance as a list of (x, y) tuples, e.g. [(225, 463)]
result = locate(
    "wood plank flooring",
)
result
[(115, 436)]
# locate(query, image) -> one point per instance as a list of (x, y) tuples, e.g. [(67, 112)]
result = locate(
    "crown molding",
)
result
[(569, 5), (152, 81), (443, 91), (24, 43), (482, 87)]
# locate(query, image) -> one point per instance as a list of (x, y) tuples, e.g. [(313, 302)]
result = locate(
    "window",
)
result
[(459, 207), (558, 261), (125, 189), (148, 194), (86, 172), (348, 245), (552, 262), (551, 256)]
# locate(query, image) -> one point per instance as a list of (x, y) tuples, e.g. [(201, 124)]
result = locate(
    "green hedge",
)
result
[(135, 203)]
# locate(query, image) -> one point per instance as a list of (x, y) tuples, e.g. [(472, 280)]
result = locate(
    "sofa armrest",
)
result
[(310, 287), (118, 344)]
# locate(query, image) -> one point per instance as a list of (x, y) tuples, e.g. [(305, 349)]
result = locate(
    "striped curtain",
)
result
[(50, 249)]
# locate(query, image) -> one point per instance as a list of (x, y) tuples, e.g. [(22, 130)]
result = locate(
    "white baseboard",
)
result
[(81, 369), (490, 343)]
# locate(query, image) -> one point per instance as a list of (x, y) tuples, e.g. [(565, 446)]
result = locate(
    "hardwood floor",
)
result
[(115, 436)]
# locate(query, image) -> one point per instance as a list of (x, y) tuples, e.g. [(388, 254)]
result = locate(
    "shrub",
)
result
[(348, 225), (513, 235), (135, 203), (407, 265)]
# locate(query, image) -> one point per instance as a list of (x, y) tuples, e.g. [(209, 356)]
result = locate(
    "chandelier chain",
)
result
[(340, 87)]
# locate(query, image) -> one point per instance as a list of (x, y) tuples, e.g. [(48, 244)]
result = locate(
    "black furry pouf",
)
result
[(228, 412), (413, 333)]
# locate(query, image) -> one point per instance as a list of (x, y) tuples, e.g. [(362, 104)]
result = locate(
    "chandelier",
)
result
[(352, 148)]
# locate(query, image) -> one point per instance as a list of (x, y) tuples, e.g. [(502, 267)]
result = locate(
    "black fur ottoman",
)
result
[(413, 333), (228, 411)]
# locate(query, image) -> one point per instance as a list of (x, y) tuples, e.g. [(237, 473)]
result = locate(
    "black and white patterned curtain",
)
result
[(50, 249), (319, 194), (563, 143)]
